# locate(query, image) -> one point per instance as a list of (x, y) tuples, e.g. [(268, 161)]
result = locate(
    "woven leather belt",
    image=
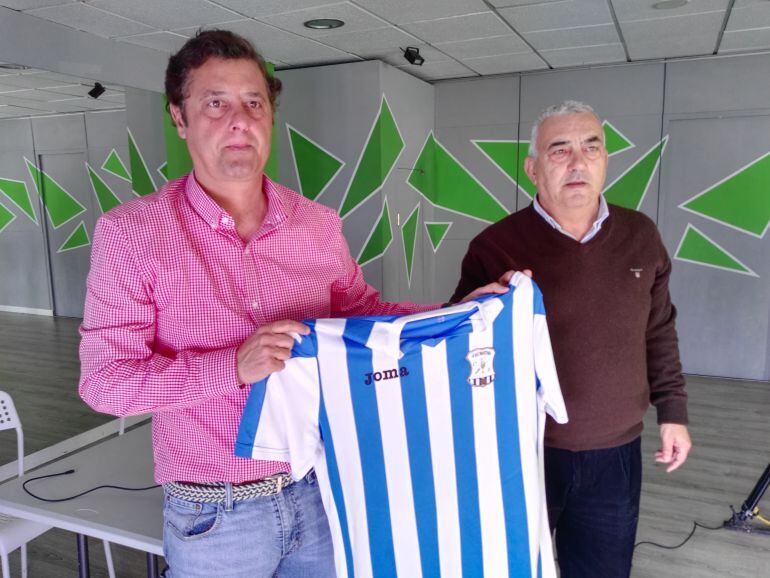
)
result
[(216, 492)]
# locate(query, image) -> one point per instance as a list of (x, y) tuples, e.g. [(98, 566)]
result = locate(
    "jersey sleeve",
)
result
[(548, 390), (280, 419)]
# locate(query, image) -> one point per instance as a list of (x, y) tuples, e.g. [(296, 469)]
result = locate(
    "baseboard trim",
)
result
[(30, 310)]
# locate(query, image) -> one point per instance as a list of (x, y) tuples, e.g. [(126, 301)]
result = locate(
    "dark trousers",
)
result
[(593, 505)]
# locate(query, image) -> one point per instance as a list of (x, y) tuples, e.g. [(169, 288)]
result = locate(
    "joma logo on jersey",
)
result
[(386, 374), (482, 366)]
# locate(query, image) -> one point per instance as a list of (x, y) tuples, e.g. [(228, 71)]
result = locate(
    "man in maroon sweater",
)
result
[(604, 274)]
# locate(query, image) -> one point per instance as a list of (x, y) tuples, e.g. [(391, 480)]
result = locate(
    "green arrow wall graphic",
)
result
[(409, 236), (615, 141), (141, 180), (163, 171), (696, 247), (78, 238), (316, 167), (104, 195), (740, 200), (436, 232), (383, 146), (508, 156), (113, 165), (6, 217), (17, 193), (445, 183), (629, 189), (59, 204), (379, 239)]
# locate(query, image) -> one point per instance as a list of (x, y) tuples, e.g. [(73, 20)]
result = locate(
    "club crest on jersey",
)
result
[(482, 366), (374, 376)]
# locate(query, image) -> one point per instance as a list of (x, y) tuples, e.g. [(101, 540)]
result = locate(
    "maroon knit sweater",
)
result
[(609, 315)]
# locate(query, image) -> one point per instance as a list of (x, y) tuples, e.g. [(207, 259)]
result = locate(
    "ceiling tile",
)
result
[(38, 80), (24, 103), (34, 95), (628, 10), (505, 63), (484, 46), (31, 4), (370, 42), (168, 14), (689, 35), (17, 111), (70, 90), (267, 7), (555, 15), (438, 70), (278, 45), (602, 54), (89, 19), (164, 41), (8, 87), (458, 28), (354, 18), (403, 11), (573, 37), (749, 14), (509, 3), (396, 57), (745, 40)]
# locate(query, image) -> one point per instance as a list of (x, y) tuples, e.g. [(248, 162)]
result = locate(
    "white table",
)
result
[(133, 519)]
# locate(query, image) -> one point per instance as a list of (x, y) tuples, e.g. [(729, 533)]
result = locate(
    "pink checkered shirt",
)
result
[(173, 291)]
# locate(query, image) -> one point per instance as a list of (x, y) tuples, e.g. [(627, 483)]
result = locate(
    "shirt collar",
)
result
[(601, 216), (216, 217)]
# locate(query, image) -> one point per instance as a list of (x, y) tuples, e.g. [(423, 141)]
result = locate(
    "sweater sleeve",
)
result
[(664, 370), (473, 273)]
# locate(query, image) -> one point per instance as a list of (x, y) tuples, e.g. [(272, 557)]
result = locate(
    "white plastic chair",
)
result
[(15, 532)]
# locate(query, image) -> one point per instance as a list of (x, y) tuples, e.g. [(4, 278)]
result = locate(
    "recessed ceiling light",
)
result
[(669, 4), (324, 23)]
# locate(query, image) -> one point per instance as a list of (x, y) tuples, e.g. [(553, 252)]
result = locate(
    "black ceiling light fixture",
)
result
[(97, 90), (412, 55), (323, 23)]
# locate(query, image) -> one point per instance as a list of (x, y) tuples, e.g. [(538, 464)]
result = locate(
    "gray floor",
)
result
[(730, 428)]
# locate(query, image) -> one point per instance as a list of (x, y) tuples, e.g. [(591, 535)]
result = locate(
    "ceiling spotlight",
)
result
[(97, 90), (412, 55), (323, 23), (669, 4)]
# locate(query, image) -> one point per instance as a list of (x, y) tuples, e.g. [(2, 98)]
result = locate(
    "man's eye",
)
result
[(255, 104), (215, 103)]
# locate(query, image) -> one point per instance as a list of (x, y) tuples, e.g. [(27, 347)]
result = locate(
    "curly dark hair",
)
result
[(207, 44)]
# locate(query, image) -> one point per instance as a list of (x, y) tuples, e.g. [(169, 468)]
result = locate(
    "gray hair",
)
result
[(566, 107)]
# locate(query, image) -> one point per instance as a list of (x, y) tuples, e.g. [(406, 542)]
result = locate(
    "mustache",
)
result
[(576, 177)]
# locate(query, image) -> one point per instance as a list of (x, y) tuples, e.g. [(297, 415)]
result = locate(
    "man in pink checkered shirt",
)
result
[(193, 294)]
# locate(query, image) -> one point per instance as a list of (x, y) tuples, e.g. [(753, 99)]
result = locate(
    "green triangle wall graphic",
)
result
[(6, 217), (106, 198), (60, 205), (316, 167), (696, 247), (383, 146), (436, 232), (78, 238), (113, 165), (629, 189), (163, 171), (141, 180), (379, 239), (445, 183), (409, 236), (740, 200), (615, 141), (17, 193), (508, 156)]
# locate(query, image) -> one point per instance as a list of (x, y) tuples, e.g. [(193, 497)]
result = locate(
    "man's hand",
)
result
[(499, 287), (266, 350), (675, 445)]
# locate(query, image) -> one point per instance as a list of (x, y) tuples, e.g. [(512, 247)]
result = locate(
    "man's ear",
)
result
[(529, 168), (176, 116)]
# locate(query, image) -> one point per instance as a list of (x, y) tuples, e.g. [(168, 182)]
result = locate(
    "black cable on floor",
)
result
[(24, 487), (695, 525)]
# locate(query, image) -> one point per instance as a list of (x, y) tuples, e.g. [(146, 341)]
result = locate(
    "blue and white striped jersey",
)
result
[(426, 433)]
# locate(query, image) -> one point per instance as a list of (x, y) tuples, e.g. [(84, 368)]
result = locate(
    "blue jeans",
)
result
[(593, 505), (285, 535)]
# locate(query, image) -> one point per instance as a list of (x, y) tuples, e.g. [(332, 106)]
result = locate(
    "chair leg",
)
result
[(23, 561), (108, 556), (6, 567)]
